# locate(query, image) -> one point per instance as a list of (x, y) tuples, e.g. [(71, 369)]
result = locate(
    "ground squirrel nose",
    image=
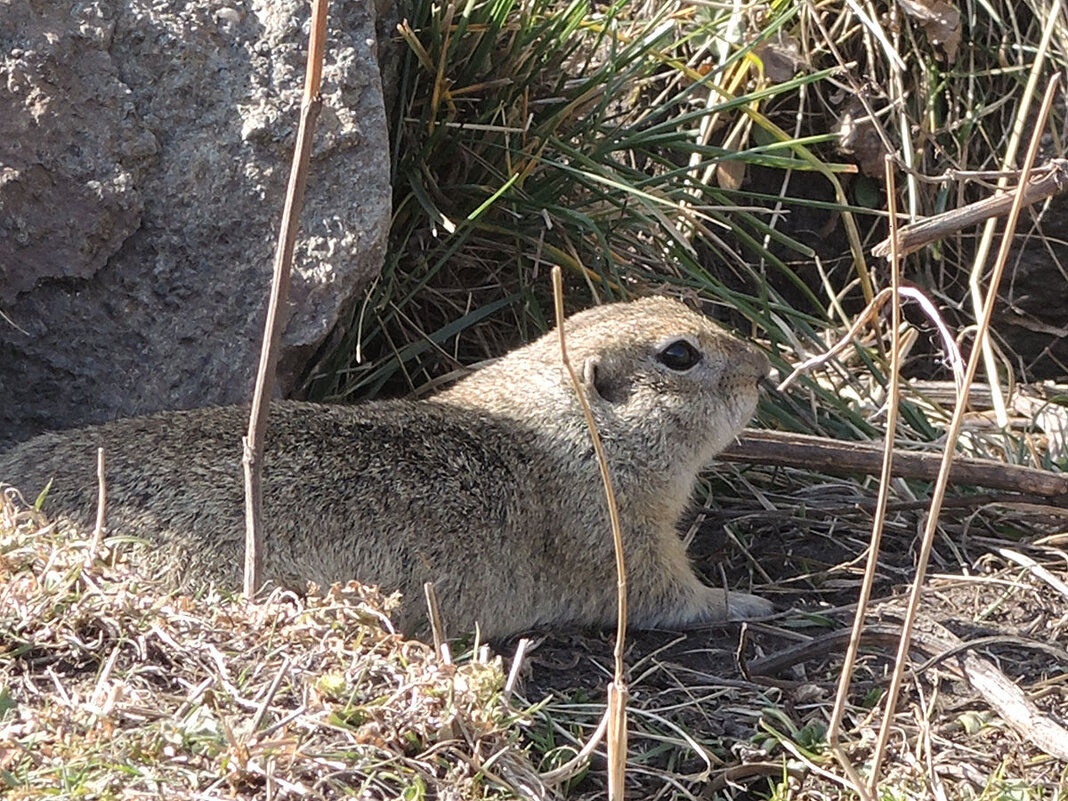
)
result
[(749, 361)]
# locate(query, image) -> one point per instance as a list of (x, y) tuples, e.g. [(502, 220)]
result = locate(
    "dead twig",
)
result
[(252, 444), (101, 500), (999, 691), (808, 452), (939, 645), (1051, 180)]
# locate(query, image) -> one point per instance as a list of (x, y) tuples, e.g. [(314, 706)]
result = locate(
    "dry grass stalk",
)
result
[(518, 658), (1023, 112), (952, 352), (952, 434), (437, 624), (617, 690), (101, 501), (617, 741), (252, 444), (879, 517)]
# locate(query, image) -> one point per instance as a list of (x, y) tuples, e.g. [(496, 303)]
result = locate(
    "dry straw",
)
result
[(252, 444), (879, 517), (616, 715), (953, 433)]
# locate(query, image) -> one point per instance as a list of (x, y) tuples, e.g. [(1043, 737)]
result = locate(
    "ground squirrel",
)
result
[(490, 488)]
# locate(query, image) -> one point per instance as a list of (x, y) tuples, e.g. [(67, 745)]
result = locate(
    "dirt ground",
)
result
[(741, 711)]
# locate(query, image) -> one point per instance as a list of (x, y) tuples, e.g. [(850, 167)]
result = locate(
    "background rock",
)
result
[(144, 150)]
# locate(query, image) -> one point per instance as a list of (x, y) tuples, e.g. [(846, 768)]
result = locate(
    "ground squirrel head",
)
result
[(669, 388)]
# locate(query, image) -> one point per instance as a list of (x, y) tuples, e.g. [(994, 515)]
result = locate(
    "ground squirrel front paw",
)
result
[(742, 606)]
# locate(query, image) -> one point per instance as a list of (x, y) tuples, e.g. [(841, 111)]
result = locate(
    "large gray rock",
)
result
[(144, 152)]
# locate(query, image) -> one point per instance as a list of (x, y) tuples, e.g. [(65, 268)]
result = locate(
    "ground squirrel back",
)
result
[(489, 489)]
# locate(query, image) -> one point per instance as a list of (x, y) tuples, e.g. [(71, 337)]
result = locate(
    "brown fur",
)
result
[(490, 488)]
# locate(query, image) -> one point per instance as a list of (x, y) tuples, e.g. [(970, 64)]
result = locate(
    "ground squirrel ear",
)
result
[(596, 378), (589, 375)]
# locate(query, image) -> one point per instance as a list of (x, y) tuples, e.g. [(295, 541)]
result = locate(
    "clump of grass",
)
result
[(698, 149), (600, 139), (109, 686)]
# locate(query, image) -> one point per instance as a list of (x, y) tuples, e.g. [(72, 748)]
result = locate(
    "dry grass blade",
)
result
[(879, 516), (1037, 569), (101, 505), (617, 690), (951, 439), (575, 766), (252, 444)]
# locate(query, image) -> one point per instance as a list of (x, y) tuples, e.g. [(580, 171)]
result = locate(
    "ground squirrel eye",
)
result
[(679, 355)]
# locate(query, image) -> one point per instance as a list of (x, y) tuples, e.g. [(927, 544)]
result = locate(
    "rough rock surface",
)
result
[(144, 151)]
